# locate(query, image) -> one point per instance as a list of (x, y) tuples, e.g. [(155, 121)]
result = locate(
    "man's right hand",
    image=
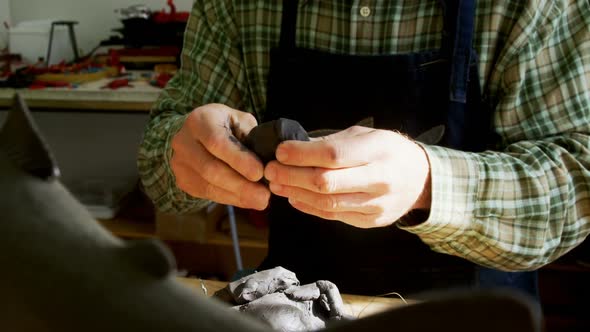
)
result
[(210, 162)]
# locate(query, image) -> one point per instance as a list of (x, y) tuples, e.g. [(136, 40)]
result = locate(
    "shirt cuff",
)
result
[(454, 180)]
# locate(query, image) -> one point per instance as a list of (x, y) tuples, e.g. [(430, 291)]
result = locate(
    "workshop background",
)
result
[(93, 111), (94, 117)]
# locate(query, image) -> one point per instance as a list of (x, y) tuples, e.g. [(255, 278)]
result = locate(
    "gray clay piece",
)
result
[(275, 297)]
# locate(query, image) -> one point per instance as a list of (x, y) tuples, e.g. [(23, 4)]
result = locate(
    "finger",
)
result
[(357, 202), (336, 152), (355, 219), (220, 174), (192, 158), (195, 185), (192, 153), (221, 142), (366, 178)]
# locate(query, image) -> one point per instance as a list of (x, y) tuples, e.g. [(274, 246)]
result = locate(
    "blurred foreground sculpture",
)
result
[(61, 271)]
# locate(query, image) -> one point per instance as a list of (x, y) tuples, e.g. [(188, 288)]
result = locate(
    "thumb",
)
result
[(242, 123)]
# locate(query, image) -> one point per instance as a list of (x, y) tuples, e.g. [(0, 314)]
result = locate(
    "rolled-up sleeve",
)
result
[(211, 72), (528, 203)]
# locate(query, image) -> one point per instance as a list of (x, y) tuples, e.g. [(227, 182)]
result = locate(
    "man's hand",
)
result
[(209, 161), (361, 176)]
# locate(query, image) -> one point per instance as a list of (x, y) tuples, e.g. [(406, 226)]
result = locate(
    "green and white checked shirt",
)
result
[(516, 208)]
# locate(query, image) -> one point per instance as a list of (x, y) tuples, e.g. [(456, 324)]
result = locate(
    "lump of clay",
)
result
[(265, 138), (275, 297), (262, 283)]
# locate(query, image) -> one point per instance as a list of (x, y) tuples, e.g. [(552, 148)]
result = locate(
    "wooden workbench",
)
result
[(89, 96), (354, 305)]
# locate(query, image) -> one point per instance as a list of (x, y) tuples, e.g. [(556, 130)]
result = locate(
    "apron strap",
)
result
[(289, 25), (457, 44)]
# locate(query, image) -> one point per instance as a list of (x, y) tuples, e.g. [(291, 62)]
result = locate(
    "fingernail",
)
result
[(254, 174), (282, 155), (271, 173), (261, 197), (293, 201)]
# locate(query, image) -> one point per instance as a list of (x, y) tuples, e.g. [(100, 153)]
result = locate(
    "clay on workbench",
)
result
[(275, 297)]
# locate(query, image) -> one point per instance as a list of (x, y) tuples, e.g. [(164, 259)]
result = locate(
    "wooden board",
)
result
[(355, 305)]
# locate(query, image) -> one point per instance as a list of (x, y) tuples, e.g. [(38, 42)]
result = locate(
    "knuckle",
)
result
[(334, 153), (194, 120), (356, 129), (249, 118), (322, 181)]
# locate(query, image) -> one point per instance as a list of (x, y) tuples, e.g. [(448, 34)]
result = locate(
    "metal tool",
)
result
[(234, 237), (432, 136)]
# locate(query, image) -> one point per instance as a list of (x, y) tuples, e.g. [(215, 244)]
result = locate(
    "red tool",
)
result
[(173, 16), (116, 84), (39, 85), (161, 80)]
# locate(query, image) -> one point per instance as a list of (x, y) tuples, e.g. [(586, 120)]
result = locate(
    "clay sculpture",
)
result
[(275, 297)]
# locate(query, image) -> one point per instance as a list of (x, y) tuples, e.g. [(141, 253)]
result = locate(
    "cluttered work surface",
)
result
[(122, 73), (95, 95), (355, 305)]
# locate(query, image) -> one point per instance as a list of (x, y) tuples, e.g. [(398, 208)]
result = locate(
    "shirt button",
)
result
[(365, 11)]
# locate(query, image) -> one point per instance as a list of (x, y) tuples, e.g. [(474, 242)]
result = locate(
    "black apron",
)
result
[(407, 92)]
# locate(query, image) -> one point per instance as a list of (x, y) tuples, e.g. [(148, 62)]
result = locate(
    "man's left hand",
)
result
[(361, 176)]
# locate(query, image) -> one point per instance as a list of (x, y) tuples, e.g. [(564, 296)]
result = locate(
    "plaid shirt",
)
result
[(516, 208)]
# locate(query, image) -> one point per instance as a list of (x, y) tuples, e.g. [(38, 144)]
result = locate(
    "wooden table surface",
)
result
[(355, 305)]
